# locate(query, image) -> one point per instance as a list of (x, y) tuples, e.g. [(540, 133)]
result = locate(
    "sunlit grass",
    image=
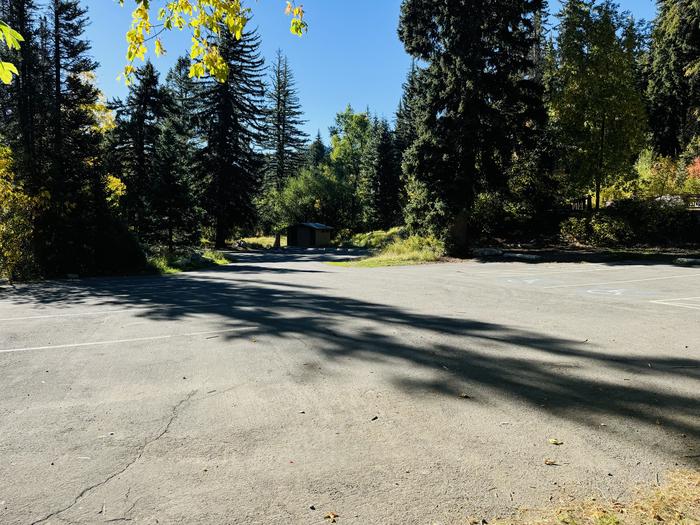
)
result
[(374, 240), (401, 252), (263, 242), (166, 263)]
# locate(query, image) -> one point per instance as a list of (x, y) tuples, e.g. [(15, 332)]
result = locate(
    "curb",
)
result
[(683, 261)]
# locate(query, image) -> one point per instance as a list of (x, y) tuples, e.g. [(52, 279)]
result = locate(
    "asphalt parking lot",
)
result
[(281, 388)]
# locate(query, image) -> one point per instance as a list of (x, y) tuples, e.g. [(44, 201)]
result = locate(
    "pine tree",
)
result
[(177, 184), (405, 129), (233, 118), (20, 100), (173, 201), (66, 232), (674, 83), (317, 152), (379, 188), (284, 139), (477, 106), (136, 137)]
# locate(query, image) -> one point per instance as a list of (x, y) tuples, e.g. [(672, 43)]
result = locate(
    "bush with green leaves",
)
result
[(633, 221), (375, 239)]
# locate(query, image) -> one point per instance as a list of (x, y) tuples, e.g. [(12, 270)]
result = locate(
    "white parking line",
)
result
[(116, 311), (692, 303), (545, 273), (582, 285), (119, 341)]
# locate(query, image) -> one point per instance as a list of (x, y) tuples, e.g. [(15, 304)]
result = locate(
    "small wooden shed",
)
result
[(309, 235)]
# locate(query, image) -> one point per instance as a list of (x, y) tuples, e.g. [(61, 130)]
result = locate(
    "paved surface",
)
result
[(253, 393)]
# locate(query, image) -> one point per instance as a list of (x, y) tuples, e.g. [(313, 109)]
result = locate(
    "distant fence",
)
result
[(582, 204), (692, 202)]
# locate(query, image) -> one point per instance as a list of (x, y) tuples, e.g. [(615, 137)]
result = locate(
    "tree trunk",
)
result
[(278, 241), (220, 241), (58, 137), (601, 164)]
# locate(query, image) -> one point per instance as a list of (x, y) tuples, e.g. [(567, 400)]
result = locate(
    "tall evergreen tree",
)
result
[(233, 118), (284, 139), (66, 232), (21, 101), (135, 142), (177, 183), (674, 83), (477, 105), (379, 189), (317, 153), (405, 129)]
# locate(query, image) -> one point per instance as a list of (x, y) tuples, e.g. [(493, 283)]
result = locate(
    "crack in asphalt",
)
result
[(142, 449)]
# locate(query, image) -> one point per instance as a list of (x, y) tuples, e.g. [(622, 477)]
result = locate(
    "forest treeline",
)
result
[(508, 116)]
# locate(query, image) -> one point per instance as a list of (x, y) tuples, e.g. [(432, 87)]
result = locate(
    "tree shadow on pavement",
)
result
[(555, 375)]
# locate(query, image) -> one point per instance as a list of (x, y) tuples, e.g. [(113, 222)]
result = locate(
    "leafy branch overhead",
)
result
[(205, 19), (12, 40)]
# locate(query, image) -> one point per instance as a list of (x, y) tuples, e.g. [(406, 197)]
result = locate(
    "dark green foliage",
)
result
[(232, 119), (317, 153), (174, 217), (674, 77), (478, 104), (284, 140), (380, 185), (405, 130), (135, 139), (632, 221), (315, 195), (66, 231)]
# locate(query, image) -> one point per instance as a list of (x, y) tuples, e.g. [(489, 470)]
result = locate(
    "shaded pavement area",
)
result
[(280, 388)]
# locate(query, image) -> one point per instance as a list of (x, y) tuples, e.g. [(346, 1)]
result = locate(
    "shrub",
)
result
[(166, 262), (411, 250), (597, 230), (425, 212), (375, 239), (487, 215), (17, 216), (633, 222), (415, 248)]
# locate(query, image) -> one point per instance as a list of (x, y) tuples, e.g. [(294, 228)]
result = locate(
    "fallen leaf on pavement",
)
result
[(555, 441), (331, 516), (464, 395), (550, 462)]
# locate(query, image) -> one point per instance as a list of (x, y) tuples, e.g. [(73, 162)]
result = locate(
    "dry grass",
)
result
[(676, 502), (264, 242), (401, 252)]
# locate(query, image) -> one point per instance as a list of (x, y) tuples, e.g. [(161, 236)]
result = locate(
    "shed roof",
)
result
[(315, 226)]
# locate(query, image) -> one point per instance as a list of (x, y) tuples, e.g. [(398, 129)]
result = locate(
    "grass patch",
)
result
[(165, 262), (374, 240), (264, 242), (676, 502), (401, 252)]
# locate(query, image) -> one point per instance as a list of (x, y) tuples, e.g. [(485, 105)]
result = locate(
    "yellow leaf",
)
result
[(7, 70)]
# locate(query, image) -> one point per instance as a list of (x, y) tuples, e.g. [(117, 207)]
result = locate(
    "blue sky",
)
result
[(351, 54)]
